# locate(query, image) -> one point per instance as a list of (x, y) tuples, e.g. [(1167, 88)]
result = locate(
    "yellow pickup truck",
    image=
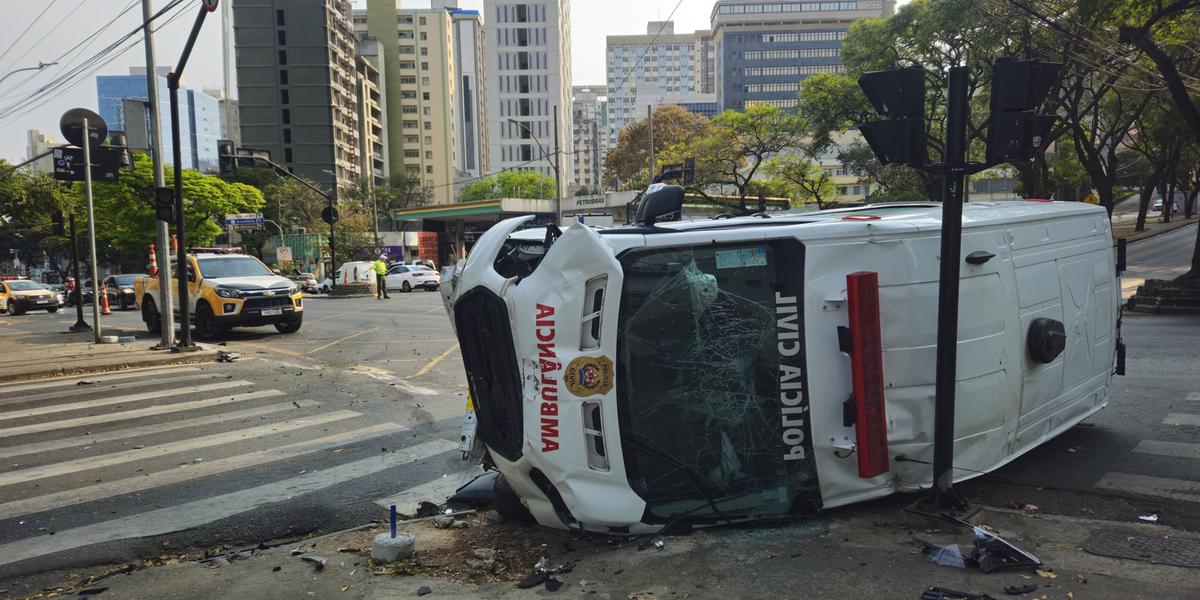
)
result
[(226, 290)]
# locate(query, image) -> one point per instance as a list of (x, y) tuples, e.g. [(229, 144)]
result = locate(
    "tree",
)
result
[(885, 183), (806, 180), (625, 164), (401, 191), (510, 184), (734, 147), (26, 205)]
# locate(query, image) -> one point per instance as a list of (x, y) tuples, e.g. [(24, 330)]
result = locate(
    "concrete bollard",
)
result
[(386, 549)]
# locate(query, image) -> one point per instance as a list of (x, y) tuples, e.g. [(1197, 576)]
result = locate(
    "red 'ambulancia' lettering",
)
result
[(544, 330)]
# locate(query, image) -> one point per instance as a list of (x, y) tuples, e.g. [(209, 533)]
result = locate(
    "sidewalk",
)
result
[(39, 355), (1123, 224), (858, 552)]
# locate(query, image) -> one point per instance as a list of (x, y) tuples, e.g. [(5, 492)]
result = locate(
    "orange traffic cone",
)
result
[(104, 300), (153, 269)]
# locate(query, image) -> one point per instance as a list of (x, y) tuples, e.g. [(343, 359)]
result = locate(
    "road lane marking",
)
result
[(1178, 449), (135, 414), (47, 410), (435, 491), (1175, 489), (132, 432), (207, 510), (265, 348), (387, 376), (90, 390), (75, 379), (1181, 419), (190, 471), (433, 363), (1193, 396), (68, 467), (340, 340), (434, 309)]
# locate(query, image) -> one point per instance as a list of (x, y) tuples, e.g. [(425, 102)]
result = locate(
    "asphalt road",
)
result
[(1164, 256), (313, 431)]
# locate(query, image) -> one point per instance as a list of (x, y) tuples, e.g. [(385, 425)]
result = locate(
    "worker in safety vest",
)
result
[(381, 269)]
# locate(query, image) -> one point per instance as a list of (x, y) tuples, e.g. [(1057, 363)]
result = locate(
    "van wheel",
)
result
[(150, 316), (508, 503), (207, 327), (405, 287)]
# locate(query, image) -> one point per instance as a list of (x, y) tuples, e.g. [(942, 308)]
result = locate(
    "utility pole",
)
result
[(162, 249), (650, 130), (557, 173), (91, 222)]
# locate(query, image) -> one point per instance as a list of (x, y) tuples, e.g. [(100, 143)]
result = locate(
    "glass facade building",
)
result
[(199, 117)]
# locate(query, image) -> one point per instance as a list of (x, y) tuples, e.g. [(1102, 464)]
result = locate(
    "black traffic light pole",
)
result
[(181, 270), (80, 324), (953, 178)]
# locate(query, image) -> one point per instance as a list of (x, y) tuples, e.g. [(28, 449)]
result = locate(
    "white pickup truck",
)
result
[(701, 372), (226, 290)]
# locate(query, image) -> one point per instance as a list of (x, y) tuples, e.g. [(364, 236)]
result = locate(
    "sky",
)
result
[(28, 39)]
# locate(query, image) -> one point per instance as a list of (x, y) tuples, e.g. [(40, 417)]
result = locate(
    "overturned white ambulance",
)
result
[(691, 373)]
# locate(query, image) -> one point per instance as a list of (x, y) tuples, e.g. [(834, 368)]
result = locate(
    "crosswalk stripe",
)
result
[(169, 448), (207, 510), (1175, 489), (135, 414), (49, 410), (1181, 419), (132, 432), (190, 471), (75, 379), (1177, 449), (435, 491), (92, 391)]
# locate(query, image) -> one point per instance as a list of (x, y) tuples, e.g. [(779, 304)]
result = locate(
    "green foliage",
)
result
[(801, 179), (509, 184), (625, 165)]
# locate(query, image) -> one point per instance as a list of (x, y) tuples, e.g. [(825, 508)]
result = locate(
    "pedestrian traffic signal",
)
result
[(899, 95), (1016, 132)]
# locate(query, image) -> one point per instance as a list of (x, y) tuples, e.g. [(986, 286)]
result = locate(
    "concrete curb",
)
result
[(1145, 235), (166, 359)]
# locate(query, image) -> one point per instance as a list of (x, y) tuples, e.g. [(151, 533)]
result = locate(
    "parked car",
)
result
[(407, 277), (417, 263), (59, 290), (119, 290), (307, 282), (20, 295), (86, 292)]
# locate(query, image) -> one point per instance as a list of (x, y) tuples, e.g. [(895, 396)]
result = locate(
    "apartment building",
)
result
[(37, 143), (660, 60), (528, 45), (297, 86), (589, 129), (420, 101), (372, 149), (470, 64), (763, 50)]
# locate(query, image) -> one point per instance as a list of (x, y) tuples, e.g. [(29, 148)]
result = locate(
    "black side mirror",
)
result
[(661, 202)]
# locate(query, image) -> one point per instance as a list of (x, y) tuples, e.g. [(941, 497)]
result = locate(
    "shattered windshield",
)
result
[(708, 352)]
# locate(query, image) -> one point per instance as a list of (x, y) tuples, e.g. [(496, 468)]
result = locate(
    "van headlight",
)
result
[(228, 293)]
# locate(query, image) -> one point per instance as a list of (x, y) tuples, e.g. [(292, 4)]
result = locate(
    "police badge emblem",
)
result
[(588, 376)]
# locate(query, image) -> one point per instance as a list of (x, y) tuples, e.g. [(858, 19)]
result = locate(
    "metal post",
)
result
[(332, 244), (557, 173), (958, 113), (374, 211), (162, 249), (650, 129), (185, 313), (80, 324), (91, 222)]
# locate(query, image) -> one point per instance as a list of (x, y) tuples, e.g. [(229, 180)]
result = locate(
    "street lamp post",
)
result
[(554, 164), (39, 67)]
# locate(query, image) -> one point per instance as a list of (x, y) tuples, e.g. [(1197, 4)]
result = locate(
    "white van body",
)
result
[(655, 401)]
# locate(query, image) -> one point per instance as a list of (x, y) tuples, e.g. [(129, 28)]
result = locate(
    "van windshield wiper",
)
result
[(693, 475)]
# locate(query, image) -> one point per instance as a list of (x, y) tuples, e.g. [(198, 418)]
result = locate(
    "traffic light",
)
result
[(125, 159), (164, 204), (1016, 132), (226, 159), (56, 223), (900, 96)]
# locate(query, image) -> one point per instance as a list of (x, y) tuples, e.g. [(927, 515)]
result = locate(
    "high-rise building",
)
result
[(661, 59), (763, 50), (297, 86), (650, 94), (528, 84), (589, 124), (419, 78), (123, 102), (39, 142), (231, 122), (469, 65), (372, 150)]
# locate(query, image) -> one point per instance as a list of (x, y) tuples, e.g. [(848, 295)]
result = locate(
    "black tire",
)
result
[(150, 316), (52, 310), (122, 303), (289, 326), (508, 503), (404, 287), (13, 310), (207, 327)]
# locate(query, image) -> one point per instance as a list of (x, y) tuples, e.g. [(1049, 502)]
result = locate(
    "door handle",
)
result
[(979, 257)]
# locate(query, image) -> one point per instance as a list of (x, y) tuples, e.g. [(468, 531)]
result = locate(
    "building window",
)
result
[(279, 17), (428, 139), (287, 155), (281, 37), (422, 20), (428, 125), (428, 111), (287, 136), (424, 51), (425, 95), (429, 154), (424, 66), (412, 154), (424, 36), (283, 80), (429, 169), (287, 116), (283, 97), (283, 57)]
